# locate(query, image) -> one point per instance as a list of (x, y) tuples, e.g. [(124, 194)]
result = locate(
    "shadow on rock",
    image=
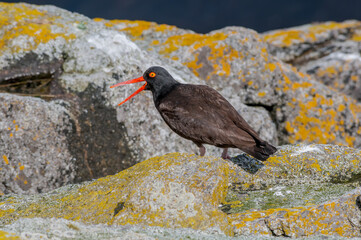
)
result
[(247, 163)]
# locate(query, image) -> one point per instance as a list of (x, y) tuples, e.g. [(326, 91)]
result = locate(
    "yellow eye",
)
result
[(152, 74)]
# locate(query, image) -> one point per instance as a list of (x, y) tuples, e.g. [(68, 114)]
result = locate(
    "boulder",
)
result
[(215, 195)]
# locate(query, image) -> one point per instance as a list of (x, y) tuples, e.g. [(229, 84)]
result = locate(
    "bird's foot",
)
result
[(225, 154), (202, 150)]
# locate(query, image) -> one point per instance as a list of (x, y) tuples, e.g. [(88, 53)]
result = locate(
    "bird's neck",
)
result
[(164, 90)]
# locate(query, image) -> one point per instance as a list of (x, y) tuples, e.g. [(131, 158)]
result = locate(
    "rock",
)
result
[(261, 121), (328, 51), (51, 228), (338, 70), (304, 164), (171, 191), (34, 148), (299, 45), (187, 191), (339, 217)]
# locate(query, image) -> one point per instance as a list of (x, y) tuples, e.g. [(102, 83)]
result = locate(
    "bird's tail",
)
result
[(263, 150)]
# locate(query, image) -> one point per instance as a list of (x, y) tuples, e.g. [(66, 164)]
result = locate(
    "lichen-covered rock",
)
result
[(33, 145), (170, 191), (340, 217), (302, 164), (328, 51), (295, 176), (338, 70), (299, 45), (186, 191)]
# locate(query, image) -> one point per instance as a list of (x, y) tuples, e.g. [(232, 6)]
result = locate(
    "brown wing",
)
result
[(199, 113)]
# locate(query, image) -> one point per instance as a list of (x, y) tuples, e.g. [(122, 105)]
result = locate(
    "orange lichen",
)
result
[(329, 71), (6, 160), (271, 66), (354, 78)]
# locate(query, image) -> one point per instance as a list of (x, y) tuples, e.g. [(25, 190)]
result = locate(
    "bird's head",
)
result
[(156, 78)]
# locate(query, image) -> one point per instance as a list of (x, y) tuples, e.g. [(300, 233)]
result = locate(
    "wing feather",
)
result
[(199, 113)]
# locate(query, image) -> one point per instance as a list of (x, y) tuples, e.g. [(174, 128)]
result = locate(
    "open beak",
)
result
[(140, 79)]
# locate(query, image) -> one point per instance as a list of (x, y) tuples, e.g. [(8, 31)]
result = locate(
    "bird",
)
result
[(201, 114)]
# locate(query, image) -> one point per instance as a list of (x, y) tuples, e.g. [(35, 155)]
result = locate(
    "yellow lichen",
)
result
[(8, 236)]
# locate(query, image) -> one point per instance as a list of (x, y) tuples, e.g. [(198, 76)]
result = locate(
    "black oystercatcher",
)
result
[(199, 113)]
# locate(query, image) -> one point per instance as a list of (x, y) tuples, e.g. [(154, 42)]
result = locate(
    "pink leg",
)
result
[(202, 150), (225, 154)]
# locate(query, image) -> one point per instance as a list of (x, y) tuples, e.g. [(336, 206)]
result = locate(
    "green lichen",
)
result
[(284, 196)]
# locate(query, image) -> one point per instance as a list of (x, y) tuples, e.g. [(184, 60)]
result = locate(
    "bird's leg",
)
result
[(202, 150), (225, 154)]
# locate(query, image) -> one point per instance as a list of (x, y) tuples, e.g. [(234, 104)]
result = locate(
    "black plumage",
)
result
[(201, 114)]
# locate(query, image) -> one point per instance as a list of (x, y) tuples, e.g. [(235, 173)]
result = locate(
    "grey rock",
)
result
[(33, 145), (52, 228), (338, 70)]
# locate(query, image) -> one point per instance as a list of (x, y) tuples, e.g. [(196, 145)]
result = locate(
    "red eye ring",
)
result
[(152, 74)]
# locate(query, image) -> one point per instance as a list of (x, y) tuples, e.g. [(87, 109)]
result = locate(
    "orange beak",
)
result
[(140, 79)]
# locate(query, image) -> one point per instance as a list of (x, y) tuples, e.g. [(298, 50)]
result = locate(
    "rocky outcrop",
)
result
[(70, 60), (187, 191)]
